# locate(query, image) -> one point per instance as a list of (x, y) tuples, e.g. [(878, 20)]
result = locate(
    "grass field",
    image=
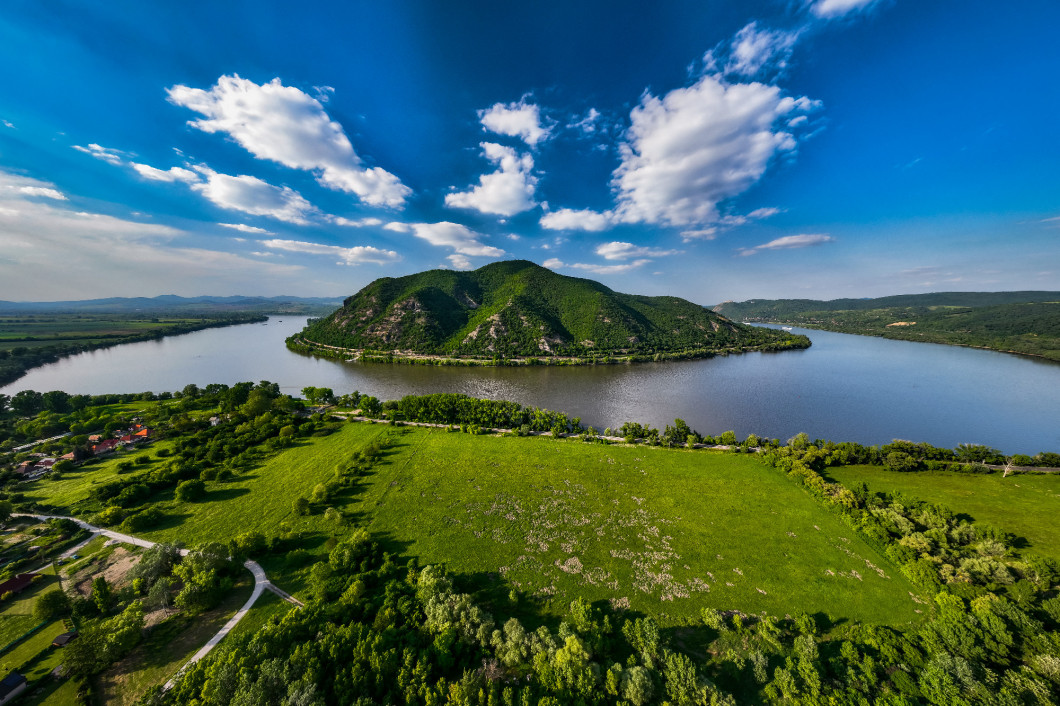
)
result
[(1025, 505), (665, 532)]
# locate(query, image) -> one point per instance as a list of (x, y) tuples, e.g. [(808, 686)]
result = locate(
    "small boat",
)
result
[(785, 328)]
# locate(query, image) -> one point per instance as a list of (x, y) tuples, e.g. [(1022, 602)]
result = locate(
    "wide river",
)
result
[(844, 388)]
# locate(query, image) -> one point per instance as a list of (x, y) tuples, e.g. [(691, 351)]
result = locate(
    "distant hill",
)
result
[(518, 308), (1013, 322), (172, 304)]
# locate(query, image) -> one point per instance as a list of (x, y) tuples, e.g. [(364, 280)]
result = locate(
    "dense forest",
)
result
[(518, 308), (1017, 322)]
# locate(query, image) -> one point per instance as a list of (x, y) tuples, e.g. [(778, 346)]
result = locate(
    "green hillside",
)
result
[(517, 308), (1016, 322)]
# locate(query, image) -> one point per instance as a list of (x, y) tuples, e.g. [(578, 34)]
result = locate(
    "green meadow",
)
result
[(1024, 504), (665, 532)]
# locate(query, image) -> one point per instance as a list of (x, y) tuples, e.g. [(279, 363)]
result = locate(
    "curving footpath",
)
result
[(261, 583)]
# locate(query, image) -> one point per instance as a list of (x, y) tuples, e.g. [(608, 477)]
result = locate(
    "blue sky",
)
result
[(709, 150)]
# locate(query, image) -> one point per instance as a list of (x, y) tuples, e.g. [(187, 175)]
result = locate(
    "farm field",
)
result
[(665, 532), (32, 331), (1025, 505)]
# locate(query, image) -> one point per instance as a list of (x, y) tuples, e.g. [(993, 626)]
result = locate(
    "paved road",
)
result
[(261, 583)]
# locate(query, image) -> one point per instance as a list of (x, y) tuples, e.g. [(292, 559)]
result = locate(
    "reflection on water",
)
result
[(843, 388)]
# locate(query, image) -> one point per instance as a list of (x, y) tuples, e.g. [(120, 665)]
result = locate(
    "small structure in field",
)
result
[(11, 686)]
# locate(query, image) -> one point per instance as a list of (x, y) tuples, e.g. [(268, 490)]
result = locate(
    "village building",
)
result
[(11, 686)]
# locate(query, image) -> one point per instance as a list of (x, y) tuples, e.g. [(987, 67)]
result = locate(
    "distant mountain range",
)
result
[(518, 308), (172, 304), (1013, 322)]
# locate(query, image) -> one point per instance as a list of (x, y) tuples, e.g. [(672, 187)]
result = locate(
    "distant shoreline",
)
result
[(300, 344)]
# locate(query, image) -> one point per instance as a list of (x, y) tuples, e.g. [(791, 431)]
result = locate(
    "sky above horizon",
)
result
[(708, 150)]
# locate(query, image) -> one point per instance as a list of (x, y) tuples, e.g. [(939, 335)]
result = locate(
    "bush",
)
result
[(110, 516), (191, 491), (51, 605)]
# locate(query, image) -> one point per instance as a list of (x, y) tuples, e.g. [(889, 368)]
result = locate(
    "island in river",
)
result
[(517, 312)]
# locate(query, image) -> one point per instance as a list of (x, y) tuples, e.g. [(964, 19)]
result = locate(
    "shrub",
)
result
[(191, 491)]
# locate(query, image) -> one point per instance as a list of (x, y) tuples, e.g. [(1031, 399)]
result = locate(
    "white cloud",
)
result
[(108, 155), (398, 227), (727, 221), (760, 213), (356, 255), (285, 125), (754, 49), (587, 125), (837, 8), (172, 174), (103, 255), (790, 241), (9, 124), (244, 228), (708, 233), (254, 196), (556, 264), (571, 219), (459, 262), (356, 223), (47, 192), (520, 119), (460, 238), (697, 146), (505, 192), (623, 251)]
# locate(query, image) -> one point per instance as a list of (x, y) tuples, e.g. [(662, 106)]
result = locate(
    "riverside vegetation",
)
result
[(443, 563), (520, 313), (1012, 322)]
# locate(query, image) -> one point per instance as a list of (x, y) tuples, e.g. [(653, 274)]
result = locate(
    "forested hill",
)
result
[(518, 308), (1017, 322)]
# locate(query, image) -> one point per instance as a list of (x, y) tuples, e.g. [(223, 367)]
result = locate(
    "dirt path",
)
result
[(261, 583)]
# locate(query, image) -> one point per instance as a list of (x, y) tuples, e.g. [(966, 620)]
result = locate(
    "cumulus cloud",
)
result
[(109, 256), (790, 241), (172, 174), (697, 146), (572, 219), (837, 8), (505, 192), (48, 192), (242, 227), (522, 120), (623, 251), (110, 156), (460, 238), (459, 262), (754, 49), (356, 255), (254, 196), (285, 125), (557, 264)]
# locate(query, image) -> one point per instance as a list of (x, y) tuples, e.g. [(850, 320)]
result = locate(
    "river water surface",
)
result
[(844, 388)]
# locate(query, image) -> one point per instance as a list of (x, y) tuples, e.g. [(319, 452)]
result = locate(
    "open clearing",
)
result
[(1025, 505), (664, 532)]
